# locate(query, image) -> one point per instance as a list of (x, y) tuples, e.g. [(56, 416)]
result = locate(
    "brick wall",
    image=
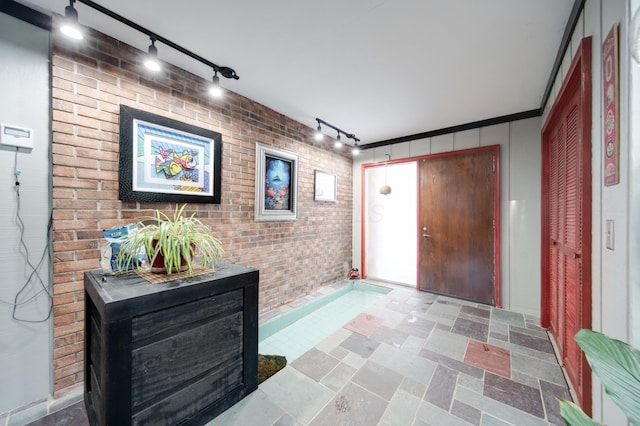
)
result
[(89, 83)]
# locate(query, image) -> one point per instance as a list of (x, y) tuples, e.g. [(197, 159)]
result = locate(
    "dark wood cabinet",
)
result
[(179, 352)]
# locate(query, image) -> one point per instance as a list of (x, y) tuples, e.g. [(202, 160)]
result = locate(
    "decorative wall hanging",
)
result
[(164, 160), (611, 111), (276, 184), (325, 186)]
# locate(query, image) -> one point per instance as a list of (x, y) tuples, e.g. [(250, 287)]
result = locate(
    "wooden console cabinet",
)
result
[(179, 352)]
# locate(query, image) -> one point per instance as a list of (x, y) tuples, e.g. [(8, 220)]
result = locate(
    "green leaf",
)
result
[(617, 365), (574, 416)]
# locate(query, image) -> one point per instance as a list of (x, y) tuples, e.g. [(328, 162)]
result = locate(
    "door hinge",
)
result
[(494, 164)]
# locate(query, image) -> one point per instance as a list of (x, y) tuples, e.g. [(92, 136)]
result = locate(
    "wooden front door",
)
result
[(459, 223), (566, 221)]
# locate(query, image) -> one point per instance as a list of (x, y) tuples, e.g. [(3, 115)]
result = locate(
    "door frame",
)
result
[(578, 78), (497, 228), (363, 212)]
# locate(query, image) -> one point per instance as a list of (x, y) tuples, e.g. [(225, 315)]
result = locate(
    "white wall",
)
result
[(25, 348), (634, 194), (519, 200), (615, 273)]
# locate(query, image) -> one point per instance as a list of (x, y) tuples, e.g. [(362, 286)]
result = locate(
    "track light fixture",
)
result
[(70, 26), (71, 18), (151, 62), (319, 136), (338, 143), (215, 89)]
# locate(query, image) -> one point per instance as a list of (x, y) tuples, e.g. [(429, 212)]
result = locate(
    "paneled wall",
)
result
[(25, 333), (90, 82), (519, 194), (615, 272)]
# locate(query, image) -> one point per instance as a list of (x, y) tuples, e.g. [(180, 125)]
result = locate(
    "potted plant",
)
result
[(171, 243)]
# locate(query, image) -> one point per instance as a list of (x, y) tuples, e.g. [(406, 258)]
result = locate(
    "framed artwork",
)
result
[(276, 184), (164, 160), (325, 186), (611, 114)]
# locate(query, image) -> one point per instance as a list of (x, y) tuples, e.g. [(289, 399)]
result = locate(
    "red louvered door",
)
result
[(566, 221)]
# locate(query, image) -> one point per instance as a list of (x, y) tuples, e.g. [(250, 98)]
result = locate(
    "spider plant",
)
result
[(177, 240)]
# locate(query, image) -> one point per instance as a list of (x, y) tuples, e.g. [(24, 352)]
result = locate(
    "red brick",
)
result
[(85, 194)]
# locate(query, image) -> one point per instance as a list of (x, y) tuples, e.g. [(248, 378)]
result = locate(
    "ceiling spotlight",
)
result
[(355, 150), (70, 26), (151, 62), (338, 143), (215, 89), (319, 136)]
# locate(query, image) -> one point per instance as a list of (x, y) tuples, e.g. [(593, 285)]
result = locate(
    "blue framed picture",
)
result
[(165, 160), (276, 184)]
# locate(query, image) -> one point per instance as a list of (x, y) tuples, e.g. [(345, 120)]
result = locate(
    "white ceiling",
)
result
[(380, 69)]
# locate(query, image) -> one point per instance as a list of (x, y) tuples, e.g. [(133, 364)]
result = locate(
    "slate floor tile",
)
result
[(549, 371), (472, 329), (416, 326), (338, 377), (401, 409), (448, 344), (460, 366), (515, 394), (351, 406), (391, 337), (488, 357), (405, 363), (505, 413), (539, 344), (550, 395), (364, 324), (315, 364), (74, 415), (413, 387), (466, 412), (380, 380), (507, 317), (360, 345), (432, 415), (441, 387), (542, 334), (473, 310), (296, 394), (401, 307), (255, 408)]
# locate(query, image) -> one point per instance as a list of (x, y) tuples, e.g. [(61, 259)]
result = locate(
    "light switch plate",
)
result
[(610, 234)]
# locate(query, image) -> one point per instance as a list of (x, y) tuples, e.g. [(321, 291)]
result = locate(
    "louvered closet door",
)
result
[(566, 222), (566, 239)]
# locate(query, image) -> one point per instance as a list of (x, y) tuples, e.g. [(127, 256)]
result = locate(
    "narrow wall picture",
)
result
[(165, 160), (276, 184), (325, 186)]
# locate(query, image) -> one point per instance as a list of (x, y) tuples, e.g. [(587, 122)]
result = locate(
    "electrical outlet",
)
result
[(610, 234)]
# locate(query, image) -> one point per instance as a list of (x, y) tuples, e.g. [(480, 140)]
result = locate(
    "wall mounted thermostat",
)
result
[(16, 136)]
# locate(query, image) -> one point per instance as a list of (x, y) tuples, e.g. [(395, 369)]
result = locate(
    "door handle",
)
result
[(426, 235)]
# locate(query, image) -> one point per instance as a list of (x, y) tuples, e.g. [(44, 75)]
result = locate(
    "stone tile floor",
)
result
[(412, 358)]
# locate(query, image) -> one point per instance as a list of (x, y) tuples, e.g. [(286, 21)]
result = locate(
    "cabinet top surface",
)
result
[(122, 287)]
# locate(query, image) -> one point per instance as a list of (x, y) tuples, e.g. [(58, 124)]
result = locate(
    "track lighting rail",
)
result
[(348, 135), (224, 71)]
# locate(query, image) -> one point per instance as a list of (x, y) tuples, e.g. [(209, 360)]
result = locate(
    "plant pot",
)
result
[(158, 265)]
